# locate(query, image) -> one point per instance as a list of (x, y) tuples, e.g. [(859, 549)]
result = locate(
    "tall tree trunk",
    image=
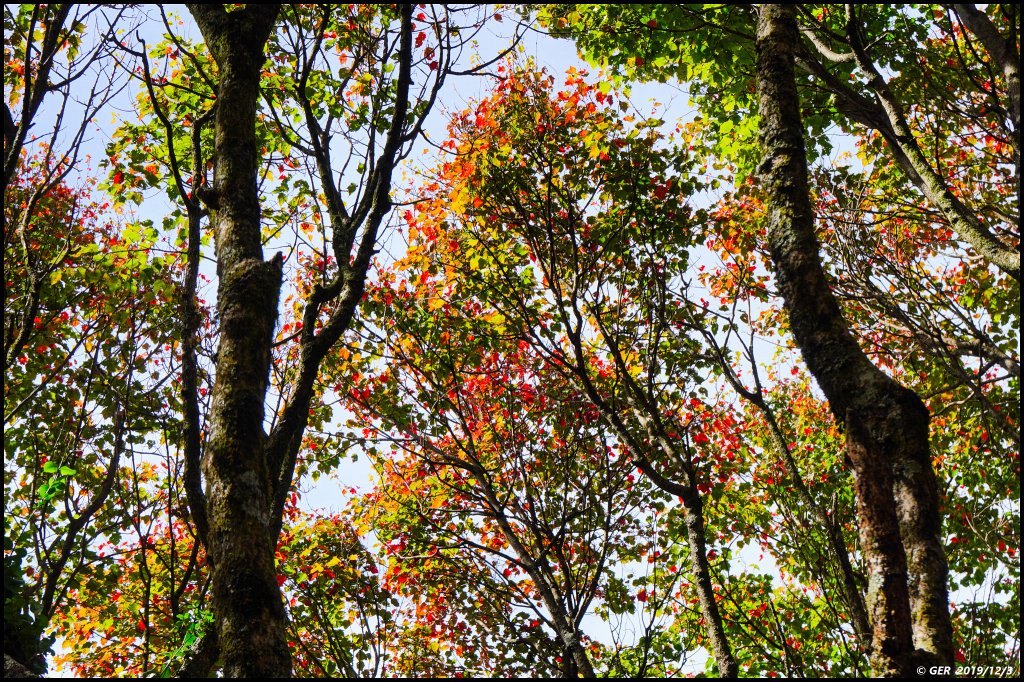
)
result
[(696, 540), (886, 423), (246, 598)]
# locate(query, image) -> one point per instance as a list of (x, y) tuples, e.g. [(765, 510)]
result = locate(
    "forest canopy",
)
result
[(361, 341)]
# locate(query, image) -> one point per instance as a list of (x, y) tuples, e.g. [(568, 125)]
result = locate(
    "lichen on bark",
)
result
[(246, 599), (886, 423)]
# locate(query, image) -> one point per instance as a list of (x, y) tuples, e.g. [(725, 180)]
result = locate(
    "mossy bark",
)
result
[(886, 423), (696, 540), (246, 599)]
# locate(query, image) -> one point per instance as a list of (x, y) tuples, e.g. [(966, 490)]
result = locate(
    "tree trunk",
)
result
[(696, 540), (246, 598), (886, 423)]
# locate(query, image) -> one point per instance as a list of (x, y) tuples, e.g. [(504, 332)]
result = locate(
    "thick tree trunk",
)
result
[(15, 670), (246, 598), (886, 424)]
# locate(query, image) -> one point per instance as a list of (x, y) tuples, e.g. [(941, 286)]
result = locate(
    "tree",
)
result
[(82, 330), (886, 424), (390, 85), (239, 541), (379, 118), (708, 382), (642, 41), (201, 108), (546, 187), (341, 617), (521, 488), (966, 82)]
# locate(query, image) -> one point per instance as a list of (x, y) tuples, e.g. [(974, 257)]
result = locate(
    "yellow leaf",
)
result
[(495, 318)]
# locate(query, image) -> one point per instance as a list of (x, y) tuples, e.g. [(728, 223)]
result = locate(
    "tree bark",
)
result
[(1003, 51), (886, 114), (886, 423), (917, 166), (246, 599), (696, 541), (15, 670)]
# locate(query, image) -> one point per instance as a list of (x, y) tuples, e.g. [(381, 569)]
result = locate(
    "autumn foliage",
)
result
[(535, 401)]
